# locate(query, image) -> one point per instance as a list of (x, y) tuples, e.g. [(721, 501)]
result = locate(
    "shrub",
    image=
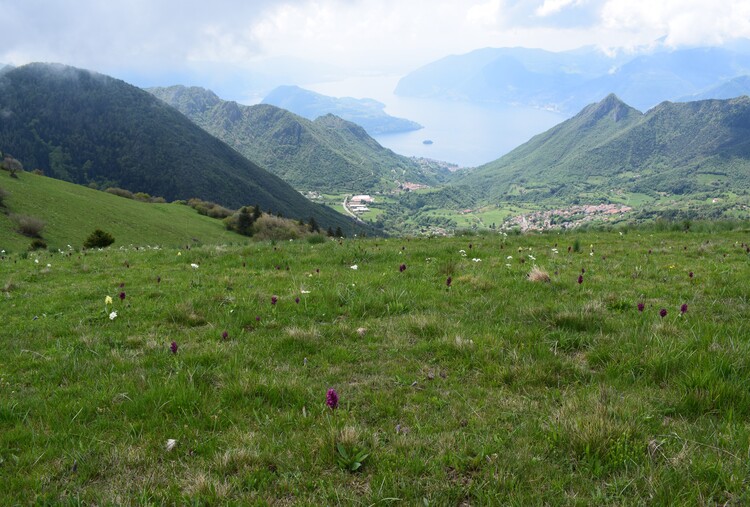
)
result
[(98, 239), (316, 239), (37, 244), (272, 227), (120, 191), (28, 226)]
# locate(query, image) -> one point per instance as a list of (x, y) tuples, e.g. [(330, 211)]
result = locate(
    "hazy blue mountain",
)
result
[(85, 127), (367, 113), (329, 154), (727, 90), (567, 81), (609, 149)]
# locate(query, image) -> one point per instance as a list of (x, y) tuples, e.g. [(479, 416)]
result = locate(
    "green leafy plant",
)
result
[(351, 459)]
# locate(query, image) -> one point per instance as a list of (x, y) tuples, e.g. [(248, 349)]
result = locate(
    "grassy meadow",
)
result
[(71, 212), (623, 380)]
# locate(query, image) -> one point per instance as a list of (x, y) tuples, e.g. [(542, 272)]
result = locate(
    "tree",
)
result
[(12, 165), (339, 233), (245, 222), (313, 224)]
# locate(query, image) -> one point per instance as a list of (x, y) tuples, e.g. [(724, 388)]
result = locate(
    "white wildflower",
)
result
[(509, 257), (476, 260), (194, 266), (170, 444), (113, 315), (355, 267)]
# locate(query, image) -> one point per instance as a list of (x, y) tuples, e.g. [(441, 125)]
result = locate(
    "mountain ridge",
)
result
[(610, 147), (89, 128), (328, 153)]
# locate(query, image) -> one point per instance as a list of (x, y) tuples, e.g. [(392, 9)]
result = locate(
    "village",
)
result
[(567, 218)]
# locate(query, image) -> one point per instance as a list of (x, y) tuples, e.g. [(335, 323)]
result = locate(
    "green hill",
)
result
[(71, 212), (609, 148), (328, 154), (85, 127)]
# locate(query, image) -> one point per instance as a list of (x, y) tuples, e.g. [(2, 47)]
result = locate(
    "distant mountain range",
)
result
[(367, 113), (86, 128), (567, 81), (328, 154), (610, 151)]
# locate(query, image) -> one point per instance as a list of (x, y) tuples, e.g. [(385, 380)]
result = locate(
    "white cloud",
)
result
[(681, 22), (554, 6), (143, 37)]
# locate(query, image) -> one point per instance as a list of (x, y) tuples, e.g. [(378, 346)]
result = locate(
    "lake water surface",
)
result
[(462, 133)]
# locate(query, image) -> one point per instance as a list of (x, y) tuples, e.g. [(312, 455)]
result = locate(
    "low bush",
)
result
[(37, 244), (127, 194), (28, 226), (98, 239)]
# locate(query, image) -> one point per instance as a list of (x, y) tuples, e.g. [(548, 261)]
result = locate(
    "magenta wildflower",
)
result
[(296, 300), (690, 274), (402, 268), (663, 313), (580, 279), (122, 296), (173, 347), (224, 335), (332, 399), (683, 308), (448, 281), (158, 279), (274, 300), (641, 307), (257, 318)]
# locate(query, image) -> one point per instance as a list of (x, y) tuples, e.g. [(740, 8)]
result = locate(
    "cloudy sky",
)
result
[(160, 42)]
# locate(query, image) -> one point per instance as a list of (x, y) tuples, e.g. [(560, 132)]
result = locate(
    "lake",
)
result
[(463, 133)]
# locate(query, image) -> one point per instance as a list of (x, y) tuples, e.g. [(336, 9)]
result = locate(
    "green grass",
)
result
[(493, 391), (59, 205)]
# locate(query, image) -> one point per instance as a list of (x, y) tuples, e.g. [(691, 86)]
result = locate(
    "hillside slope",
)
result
[(71, 212), (328, 154), (85, 127)]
